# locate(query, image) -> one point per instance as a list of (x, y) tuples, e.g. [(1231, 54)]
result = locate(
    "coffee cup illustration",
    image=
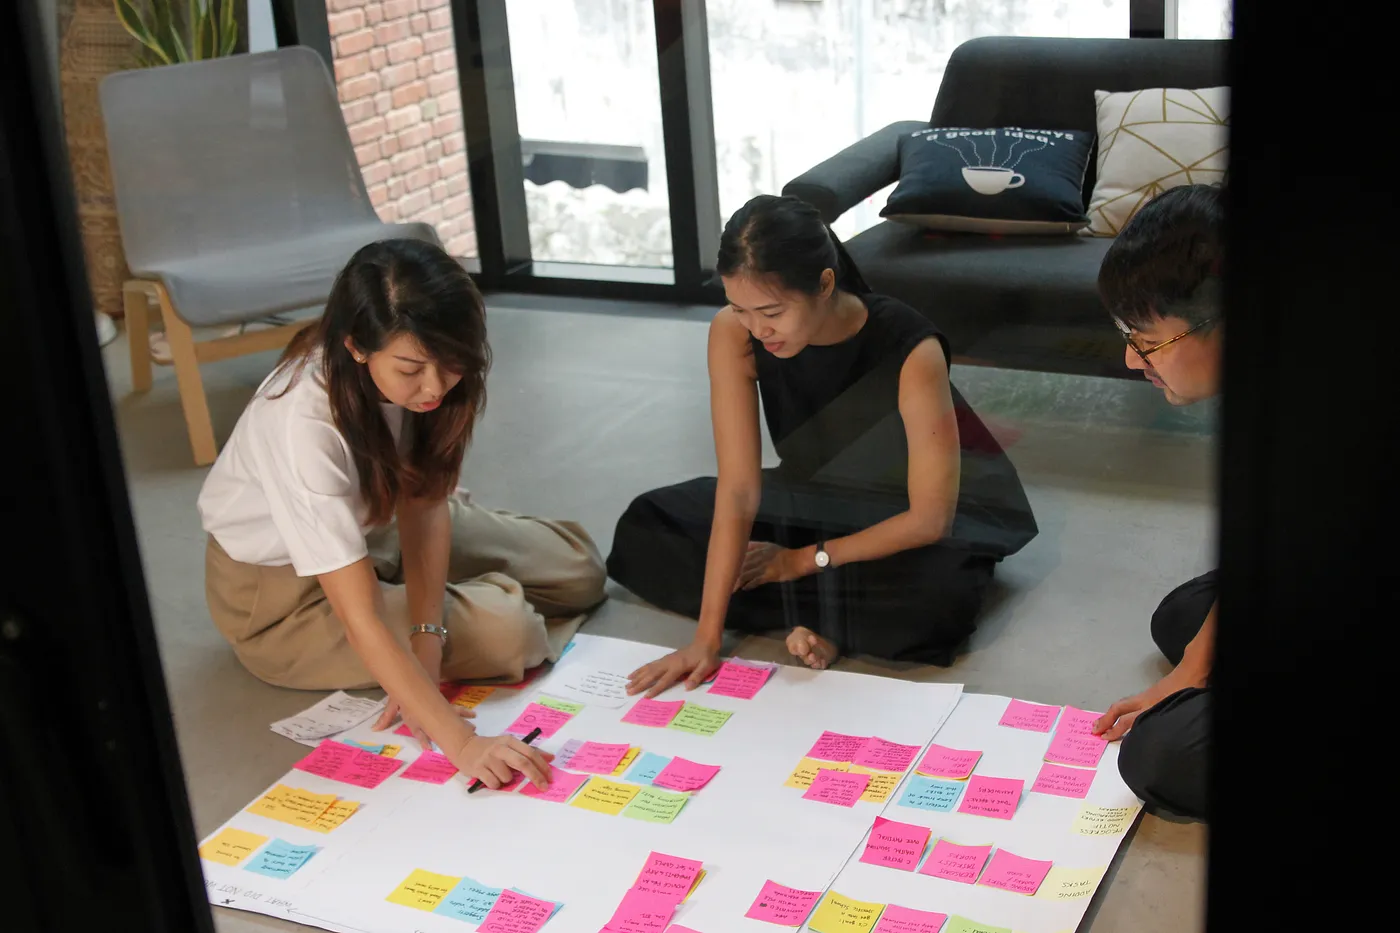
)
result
[(986, 179)]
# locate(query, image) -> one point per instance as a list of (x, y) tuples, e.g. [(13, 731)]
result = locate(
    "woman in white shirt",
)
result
[(340, 552)]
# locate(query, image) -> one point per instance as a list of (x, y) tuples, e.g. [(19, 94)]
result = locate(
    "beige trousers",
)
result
[(517, 590)]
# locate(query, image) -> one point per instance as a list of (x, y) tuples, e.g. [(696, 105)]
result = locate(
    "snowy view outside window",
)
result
[(793, 82)]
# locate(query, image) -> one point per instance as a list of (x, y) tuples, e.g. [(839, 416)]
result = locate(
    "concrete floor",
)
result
[(590, 405)]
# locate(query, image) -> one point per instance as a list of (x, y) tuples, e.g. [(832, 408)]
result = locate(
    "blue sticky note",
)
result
[(567, 648), (372, 749), (926, 793), (281, 859), (558, 905), (645, 769), (470, 900)]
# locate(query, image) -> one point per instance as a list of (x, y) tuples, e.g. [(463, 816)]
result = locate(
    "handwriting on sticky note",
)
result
[(841, 788), (989, 796), (562, 786), (280, 859), (1104, 821), (1069, 884), (806, 772), (566, 752), (292, 805), (469, 697), (958, 924), (604, 796), (944, 762), (626, 762), (882, 784), (898, 919), (231, 846), (840, 914), (470, 901), (647, 766), (535, 716), (1063, 782), (685, 775), (1033, 717), (834, 746), (741, 681), (782, 905), (514, 912), (1067, 748), (422, 890), (564, 706), (1077, 721), (1014, 873), (669, 875), (642, 912), (656, 713), (925, 793), (652, 805), (390, 751), (955, 862), (598, 757), (430, 768), (895, 845), (334, 815), (883, 755), (700, 720), (349, 765)]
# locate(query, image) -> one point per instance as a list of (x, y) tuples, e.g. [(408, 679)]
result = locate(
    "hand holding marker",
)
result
[(529, 739)]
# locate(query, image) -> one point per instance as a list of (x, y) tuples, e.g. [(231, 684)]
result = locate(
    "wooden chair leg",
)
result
[(136, 304), (192, 399)]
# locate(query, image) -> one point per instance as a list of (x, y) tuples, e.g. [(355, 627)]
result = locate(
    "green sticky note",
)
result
[(701, 720), (653, 805), (958, 924), (563, 706)]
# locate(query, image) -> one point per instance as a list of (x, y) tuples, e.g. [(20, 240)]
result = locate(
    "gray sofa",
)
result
[(1022, 302)]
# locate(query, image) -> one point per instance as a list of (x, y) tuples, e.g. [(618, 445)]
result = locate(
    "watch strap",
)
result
[(429, 629)]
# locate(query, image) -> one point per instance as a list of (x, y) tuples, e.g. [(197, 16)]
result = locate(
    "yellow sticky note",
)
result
[(1104, 821), (230, 846), (603, 796), (840, 914), (335, 814), (422, 890), (1069, 884), (693, 885), (626, 761), (882, 783), (391, 751), (292, 805), (471, 697), (806, 772)]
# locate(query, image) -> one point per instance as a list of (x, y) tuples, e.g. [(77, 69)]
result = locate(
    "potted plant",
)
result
[(172, 31)]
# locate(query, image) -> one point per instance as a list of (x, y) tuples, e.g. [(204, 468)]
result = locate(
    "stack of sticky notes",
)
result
[(872, 766), (939, 778), (663, 885), (497, 910), (275, 858)]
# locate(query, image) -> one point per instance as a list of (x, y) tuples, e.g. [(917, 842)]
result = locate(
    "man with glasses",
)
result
[(1161, 282)]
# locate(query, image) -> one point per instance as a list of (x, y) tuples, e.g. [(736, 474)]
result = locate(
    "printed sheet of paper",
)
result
[(331, 716), (600, 688)]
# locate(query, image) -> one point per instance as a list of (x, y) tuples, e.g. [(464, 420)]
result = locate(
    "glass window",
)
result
[(1204, 19)]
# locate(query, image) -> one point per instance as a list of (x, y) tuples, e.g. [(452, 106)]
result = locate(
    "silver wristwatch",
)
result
[(430, 629), (823, 558)]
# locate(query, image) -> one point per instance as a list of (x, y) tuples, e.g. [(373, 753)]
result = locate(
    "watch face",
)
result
[(823, 558)]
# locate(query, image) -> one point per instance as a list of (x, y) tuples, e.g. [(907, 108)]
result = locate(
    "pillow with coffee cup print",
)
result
[(1006, 179)]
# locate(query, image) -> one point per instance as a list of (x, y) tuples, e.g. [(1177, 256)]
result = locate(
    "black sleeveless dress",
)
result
[(833, 415)]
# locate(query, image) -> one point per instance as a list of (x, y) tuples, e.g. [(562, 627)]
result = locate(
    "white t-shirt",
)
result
[(285, 489)]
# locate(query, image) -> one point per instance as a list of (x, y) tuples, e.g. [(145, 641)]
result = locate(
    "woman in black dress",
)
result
[(878, 532)]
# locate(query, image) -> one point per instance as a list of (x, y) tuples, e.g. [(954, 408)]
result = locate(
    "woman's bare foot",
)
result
[(814, 651)]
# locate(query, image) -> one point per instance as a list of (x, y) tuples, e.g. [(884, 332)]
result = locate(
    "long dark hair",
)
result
[(390, 288), (787, 238)]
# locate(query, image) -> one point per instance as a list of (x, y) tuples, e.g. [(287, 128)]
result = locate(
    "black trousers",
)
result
[(918, 605), (1164, 757)]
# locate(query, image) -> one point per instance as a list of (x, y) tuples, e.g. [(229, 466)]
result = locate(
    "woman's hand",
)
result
[(427, 649), (699, 660), (493, 760), (768, 563)]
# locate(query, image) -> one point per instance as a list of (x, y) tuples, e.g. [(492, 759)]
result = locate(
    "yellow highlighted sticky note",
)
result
[(231, 846), (806, 772), (391, 751), (626, 761), (471, 697), (603, 796), (1104, 821), (1070, 884), (335, 814), (840, 914), (292, 805), (422, 890), (882, 783)]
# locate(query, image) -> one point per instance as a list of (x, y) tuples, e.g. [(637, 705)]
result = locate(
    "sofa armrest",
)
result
[(855, 173)]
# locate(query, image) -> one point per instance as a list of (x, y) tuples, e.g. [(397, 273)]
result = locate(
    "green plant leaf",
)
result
[(228, 29), (134, 24), (206, 40)]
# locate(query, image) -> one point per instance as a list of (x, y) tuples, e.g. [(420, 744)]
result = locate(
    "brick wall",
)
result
[(396, 70)]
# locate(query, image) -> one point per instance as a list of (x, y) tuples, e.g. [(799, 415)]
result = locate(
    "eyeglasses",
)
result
[(1127, 333)]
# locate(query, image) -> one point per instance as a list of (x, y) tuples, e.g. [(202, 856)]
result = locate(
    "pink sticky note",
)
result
[(740, 681), (842, 788), (547, 719), (516, 779), (1063, 782), (653, 712), (1067, 748), (780, 904), (882, 755), (598, 757), (350, 765), (430, 768), (945, 762), (833, 746), (562, 786), (403, 729), (677, 928), (896, 919), (1030, 716), (517, 913), (668, 875), (989, 796), (1077, 721), (1014, 873), (954, 862), (642, 912), (895, 845), (682, 774)]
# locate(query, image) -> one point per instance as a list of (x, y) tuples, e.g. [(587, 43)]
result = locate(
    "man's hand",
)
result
[(699, 660), (768, 563), (427, 649), (1115, 723)]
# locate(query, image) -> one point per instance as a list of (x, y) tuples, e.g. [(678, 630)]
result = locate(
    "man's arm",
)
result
[(1193, 671)]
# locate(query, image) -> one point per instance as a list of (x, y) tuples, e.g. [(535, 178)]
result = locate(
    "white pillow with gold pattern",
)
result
[(1152, 140)]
